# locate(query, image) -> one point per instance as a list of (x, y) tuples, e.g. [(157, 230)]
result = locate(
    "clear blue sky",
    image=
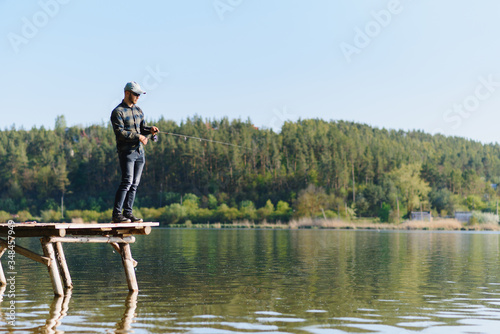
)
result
[(428, 65)]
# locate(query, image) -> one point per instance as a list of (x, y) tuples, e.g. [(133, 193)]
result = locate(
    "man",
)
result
[(130, 131)]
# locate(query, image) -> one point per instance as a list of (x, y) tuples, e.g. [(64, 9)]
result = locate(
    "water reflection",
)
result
[(216, 281), (60, 305), (125, 324), (2, 291), (58, 310)]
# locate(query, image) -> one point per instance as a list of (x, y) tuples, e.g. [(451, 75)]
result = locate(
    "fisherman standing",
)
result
[(130, 131)]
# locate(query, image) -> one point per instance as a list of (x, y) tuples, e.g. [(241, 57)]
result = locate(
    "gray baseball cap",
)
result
[(134, 87)]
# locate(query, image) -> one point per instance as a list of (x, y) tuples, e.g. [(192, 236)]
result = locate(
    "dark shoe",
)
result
[(133, 218), (119, 218)]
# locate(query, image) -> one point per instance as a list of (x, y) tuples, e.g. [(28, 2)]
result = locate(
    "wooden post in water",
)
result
[(128, 265), (63, 266), (48, 250), (3, 281)]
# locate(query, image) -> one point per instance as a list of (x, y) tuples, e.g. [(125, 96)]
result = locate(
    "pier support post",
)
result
[(63, 266), (48, 250), (3, 281), (128, 265)]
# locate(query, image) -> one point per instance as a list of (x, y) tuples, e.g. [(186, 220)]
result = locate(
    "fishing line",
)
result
[(203, 139)]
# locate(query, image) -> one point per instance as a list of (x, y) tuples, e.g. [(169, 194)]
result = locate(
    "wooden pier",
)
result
[(52, 235)]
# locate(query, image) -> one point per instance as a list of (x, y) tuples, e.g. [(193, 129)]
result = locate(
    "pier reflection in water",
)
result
[(58, 310), (60, 306)]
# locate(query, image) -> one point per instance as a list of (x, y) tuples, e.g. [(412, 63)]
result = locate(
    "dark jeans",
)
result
[(131, 164)]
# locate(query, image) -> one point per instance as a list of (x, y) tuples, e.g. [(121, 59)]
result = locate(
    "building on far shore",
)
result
[(463, 216), (421, 215)]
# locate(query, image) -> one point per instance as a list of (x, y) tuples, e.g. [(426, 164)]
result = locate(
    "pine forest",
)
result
[(311, 168)]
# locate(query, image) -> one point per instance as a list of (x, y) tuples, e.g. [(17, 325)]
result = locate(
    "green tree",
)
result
[(266, 212), (443, 201), (310, 201), (413, 190), (283, 212), (384, 212)]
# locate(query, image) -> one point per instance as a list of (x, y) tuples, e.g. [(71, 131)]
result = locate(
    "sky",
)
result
[(422, 65)]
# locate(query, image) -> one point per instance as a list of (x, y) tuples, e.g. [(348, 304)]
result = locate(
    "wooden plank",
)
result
[(106, 240), (28, 231), (62, 229), (113, 232), (78, 225), (110, 225), (37, 225), (27, 253), (48, 250)]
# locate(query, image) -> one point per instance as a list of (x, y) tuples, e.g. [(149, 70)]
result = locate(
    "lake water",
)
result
[(270, 281)]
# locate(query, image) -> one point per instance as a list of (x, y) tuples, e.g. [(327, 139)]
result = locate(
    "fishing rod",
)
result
[(200, 139)]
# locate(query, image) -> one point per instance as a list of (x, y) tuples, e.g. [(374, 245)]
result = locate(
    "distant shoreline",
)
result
[(435, 225)]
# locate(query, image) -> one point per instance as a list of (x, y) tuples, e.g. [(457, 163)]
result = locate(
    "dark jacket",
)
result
[(128, 123)]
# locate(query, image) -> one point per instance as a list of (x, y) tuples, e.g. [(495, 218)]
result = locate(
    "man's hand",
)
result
[(154, 130), (143, 139)]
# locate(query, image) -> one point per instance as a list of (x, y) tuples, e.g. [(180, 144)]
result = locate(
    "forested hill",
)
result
[(334, 165)]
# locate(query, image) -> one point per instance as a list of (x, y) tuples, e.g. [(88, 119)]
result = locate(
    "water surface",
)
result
[(270, 281)]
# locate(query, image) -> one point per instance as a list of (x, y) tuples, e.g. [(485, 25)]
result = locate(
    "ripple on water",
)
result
[(268, 313), (449, 315), (322, 329), (248, 326), (208, 330), (275, 319), (377, 328), (420, 324), (206, 316), (361, 320)]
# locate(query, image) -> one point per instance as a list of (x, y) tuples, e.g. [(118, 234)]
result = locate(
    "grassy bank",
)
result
[(437, 225)]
